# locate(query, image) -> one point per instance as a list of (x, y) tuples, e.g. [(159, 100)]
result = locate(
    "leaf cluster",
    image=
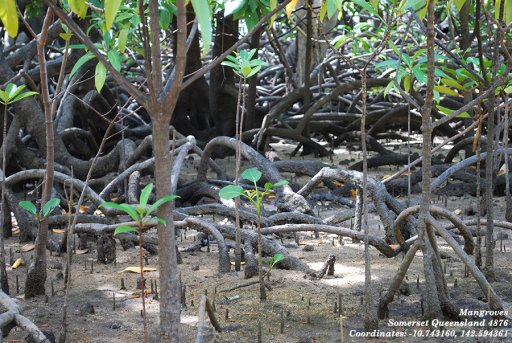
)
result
[(13, 93), (141, 213), (255, 196), (243, 63), (271, 262), (31, 208)]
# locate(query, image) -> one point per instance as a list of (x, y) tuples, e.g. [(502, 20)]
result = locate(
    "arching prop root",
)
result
[(376, 242), (288, 200), (469, 243), (13, 316), (385, 205), (206, 307), (495, 303)]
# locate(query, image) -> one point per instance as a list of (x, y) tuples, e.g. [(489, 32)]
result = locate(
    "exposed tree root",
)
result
[(288, 200), (384, 203), (376, 242), (14, 314), (469, 243)]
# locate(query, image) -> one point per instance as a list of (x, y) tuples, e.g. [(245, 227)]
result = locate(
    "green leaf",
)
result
[(407, 83), (122, 39), (203, 14), (459, 4), (12, 89), (277, 258), (273, 5), (23, 96), (231, 191), (4, 97), (280, 183), (111, 8), (366, 6), (66, 36), (122, 207), (49, 206), (232, 65), (9, 17), (420, 74), (79, 7), (251, 174), (100, 75), (233, 6), (448, 111), (323, 10), (125, 228), (114, 59), (508, 12), (164, 17), (161, 221), (414, 4), (81, 61), (28, 206), (422, 13), (268, 186), (144, 195), (452, 83), (161, 201), (251, 19), (446, 90), (253, 71)]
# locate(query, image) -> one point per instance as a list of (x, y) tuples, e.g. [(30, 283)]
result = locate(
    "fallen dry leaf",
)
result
[(457, 211), (233, 263), (58, 231), (502, 170), (27, 247), (17, 263), (81, 252), (137, 270)]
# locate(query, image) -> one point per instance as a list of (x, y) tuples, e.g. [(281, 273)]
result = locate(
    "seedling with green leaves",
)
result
[(243, 63), (31, 208), (141, 214), (272, 261), (256, 197)]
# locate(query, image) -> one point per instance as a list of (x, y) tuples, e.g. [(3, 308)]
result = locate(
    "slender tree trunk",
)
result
[(433, 306), (4, 282), (36, 277), (170, 289), (371, 321), (489, 161)]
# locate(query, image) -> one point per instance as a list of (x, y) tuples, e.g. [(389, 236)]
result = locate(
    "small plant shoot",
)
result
[(271, 262), (243, 63), (141, 214), (31, 208), (255, 196)]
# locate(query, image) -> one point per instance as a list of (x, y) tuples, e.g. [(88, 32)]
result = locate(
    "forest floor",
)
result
[(307, 306)]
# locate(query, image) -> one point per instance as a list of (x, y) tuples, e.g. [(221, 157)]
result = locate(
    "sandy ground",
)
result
[(307, 306)]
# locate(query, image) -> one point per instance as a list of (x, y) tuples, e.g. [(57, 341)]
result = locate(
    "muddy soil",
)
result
[(305, 307)]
